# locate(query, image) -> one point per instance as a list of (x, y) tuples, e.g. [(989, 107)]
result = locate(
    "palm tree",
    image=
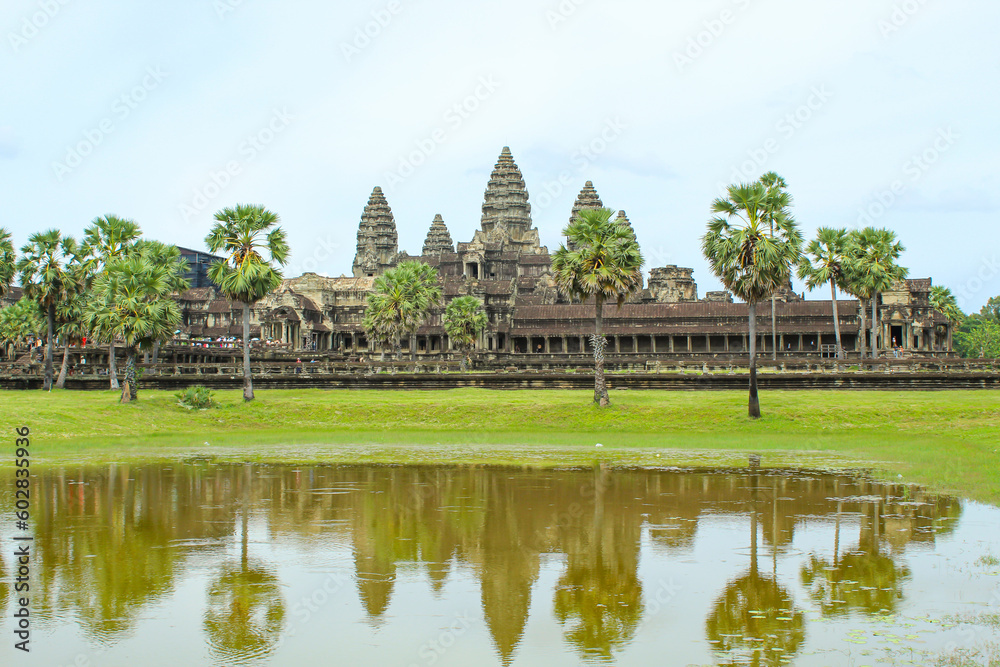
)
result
[(777, 202), (873, 269), (247, 233), (823, 262), (464, 320), (107, 238), (605, 263), (69, 313), (401, 300), (131, 300), (7, 261), (751, 261), (943, 301), (43, 273)]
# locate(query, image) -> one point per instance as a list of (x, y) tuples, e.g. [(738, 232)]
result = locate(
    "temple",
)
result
[(506, 267)]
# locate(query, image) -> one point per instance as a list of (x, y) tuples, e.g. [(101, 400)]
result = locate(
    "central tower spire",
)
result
[(506, 211)]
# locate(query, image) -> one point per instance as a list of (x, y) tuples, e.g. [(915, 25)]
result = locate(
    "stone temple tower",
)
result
[(506, 211), (377, 239), (588, 198), (438, 238)]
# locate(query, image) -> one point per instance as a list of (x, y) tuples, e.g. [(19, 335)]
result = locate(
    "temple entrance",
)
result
[(896, 335)]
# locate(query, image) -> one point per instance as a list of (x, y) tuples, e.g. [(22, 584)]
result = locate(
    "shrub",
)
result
[(197, 397)]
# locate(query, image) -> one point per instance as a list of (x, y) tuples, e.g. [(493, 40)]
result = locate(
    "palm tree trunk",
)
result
[(112, 370), (774, 329), (753, 407), (864, 328), (129, 390), (156, 352), (600, 385), (48, 348), (874, 325), (413, 347), (836, 319), (247, 377), (61, 380)]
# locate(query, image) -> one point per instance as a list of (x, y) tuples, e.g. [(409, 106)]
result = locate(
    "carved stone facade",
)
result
[(506, 267)]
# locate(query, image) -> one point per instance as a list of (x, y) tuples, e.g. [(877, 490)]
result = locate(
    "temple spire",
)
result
[(377, 247), (506, 212), (438, 238), (587, 199), (623, 219)]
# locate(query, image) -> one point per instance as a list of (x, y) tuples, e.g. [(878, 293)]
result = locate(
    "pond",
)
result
[(203, 564)]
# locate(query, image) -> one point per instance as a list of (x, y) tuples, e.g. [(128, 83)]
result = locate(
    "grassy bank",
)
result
[(945, 440)]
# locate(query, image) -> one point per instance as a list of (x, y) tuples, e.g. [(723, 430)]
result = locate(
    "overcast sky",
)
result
[(875, 111)]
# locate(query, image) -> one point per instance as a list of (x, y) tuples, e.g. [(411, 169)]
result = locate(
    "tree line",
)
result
[(116, 287)]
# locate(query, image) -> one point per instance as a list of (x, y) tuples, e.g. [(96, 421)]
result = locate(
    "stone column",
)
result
[(548, 348), (689, 342), (652, 343), (801, 344), (708, 343)]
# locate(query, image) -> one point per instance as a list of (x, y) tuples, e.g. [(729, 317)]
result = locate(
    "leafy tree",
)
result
[(7, 261), (824, 261), (132, 301), (19, 323), (604, 262), (253, 243), (751, 261), (107, 238), (978, 337), (992, 309), (401, 300), (464, 320), (943, 301), (873, 269), (45, 278)]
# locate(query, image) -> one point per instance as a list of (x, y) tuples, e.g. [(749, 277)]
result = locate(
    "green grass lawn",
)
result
[(945, 440)]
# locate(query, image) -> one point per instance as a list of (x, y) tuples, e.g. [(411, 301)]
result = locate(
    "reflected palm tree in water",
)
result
[(245, 612), (863, 579), (754, 622), (599, 598)]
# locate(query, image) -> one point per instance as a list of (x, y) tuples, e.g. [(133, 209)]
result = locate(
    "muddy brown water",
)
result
[(208, 564)]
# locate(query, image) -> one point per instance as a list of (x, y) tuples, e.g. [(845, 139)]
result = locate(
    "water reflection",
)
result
[(754, 621), (112, 542), (245, 612)]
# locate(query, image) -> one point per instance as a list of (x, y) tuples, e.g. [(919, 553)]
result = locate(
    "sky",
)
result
[(876, 112)]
